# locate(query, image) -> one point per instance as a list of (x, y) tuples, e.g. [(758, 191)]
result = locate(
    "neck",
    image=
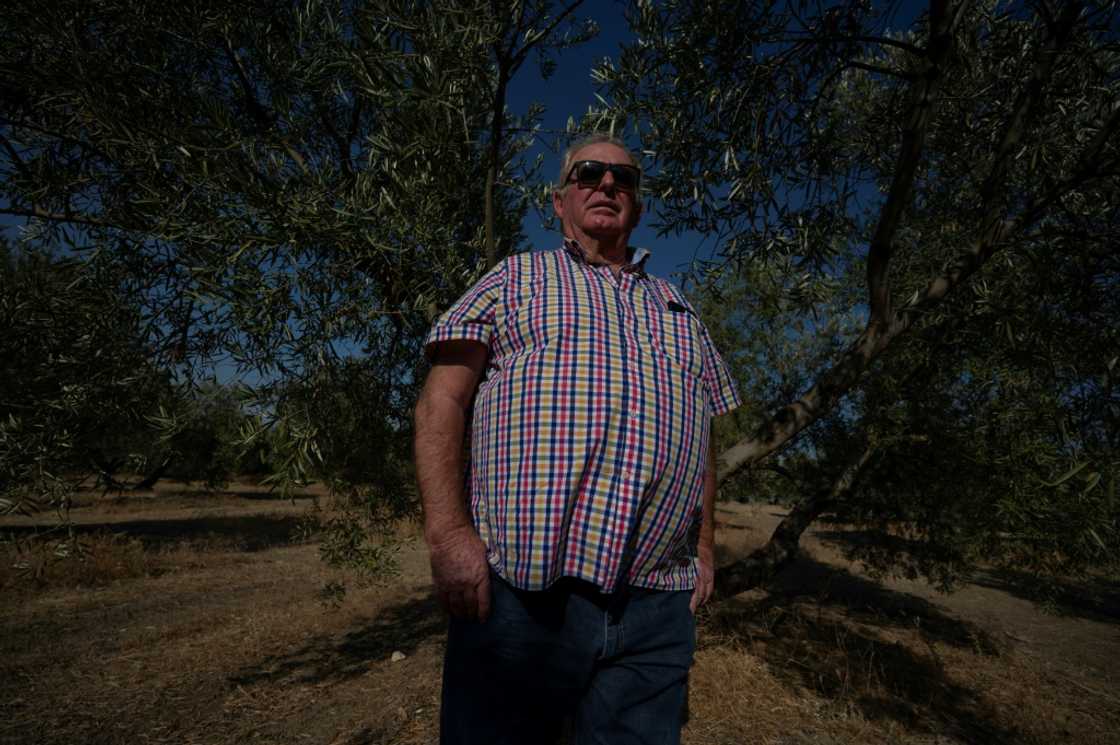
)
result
[(612, 250)]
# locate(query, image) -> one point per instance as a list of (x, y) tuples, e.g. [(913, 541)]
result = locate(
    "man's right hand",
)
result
[(461, 574)]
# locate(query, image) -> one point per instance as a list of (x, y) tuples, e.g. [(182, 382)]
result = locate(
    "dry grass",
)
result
[(37, 562), (120, 539), (850, 667), (198, 621)]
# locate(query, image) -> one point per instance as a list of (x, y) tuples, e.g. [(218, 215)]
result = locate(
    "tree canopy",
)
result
[(915, 282), (277, 192), (916, 224)]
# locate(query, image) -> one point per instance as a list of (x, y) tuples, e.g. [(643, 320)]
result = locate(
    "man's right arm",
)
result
[(460, 572)]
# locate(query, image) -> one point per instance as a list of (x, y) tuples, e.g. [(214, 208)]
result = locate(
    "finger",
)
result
[(470, 603), (457, 604), (702, 593), (694, 601), (483, 595)]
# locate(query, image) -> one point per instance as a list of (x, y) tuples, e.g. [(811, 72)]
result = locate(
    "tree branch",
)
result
[(44, 214), (497, 114), (992, 232), (20, 124), (260, 114), (266, 121), (881, 40), (783, 546), (881, 70), (341, 144), (509, 62), (15, 156), (918, 116), (994, 229), (781, 471), (520, 56), (1027, 99)]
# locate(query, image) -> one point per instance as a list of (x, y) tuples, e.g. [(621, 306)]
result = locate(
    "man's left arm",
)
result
[(722, 398), (706, 550)]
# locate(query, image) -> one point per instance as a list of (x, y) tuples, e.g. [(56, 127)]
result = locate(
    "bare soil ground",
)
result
[(203, 624)]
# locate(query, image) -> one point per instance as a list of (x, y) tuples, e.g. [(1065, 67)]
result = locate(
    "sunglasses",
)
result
[(588, 174)]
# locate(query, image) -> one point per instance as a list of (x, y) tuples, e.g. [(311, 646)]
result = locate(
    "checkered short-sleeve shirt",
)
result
[(589, 435)]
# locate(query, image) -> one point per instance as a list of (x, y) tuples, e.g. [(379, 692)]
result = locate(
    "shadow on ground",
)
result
[(329, 659), (257, 495), (242, 532), (94, 497), (1093, 599), (863, 646), (1096, 599)]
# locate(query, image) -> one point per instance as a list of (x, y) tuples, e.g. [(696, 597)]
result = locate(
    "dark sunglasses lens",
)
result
[(624, 177), (590, 173)]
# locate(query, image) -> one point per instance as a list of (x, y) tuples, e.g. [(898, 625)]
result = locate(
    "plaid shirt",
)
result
[(589, 437)]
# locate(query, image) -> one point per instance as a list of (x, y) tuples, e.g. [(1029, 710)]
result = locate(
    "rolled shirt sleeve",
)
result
[(722, 393), (472, 316)]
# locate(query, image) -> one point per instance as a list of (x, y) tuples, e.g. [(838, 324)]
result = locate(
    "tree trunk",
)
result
[(784, 545), (778, 553), (150, 480), (494, 153), (106, 474), (994, 229)]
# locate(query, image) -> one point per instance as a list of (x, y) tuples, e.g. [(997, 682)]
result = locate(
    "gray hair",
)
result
[(595, 138)]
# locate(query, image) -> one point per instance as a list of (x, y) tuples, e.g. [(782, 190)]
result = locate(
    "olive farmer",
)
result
[(574, 554)]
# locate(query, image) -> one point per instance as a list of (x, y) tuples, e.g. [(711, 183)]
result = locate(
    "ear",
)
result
[(558, 203)]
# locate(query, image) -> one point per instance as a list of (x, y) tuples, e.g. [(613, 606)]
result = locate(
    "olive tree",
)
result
[(76, 378), (286, 193), (929, 203)]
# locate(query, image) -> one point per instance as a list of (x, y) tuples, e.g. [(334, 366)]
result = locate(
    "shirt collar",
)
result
[(636, 265)]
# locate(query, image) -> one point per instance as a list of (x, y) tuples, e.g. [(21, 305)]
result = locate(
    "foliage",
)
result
[(76, 377), (772, 345), (278, 190), (273, 179), (344, 427), (915, 277), (1021, 452), (82, 392)]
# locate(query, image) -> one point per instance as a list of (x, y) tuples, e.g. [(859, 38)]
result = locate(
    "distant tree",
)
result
[(200, 436), (923, 222)]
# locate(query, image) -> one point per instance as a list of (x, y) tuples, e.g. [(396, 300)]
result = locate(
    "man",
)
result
[(573, 572)]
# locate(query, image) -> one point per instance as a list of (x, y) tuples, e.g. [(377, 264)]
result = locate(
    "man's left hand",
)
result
[(705, 579)]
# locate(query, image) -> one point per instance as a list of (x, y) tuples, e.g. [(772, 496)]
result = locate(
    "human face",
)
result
[(601, 212)]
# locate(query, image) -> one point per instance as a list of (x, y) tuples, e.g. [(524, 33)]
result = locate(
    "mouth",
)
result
[(612, 208)]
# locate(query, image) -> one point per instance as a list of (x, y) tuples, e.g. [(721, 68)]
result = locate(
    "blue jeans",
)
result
[(614, 666)]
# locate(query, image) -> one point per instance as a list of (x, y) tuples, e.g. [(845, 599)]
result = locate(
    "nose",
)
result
[(606, 183)]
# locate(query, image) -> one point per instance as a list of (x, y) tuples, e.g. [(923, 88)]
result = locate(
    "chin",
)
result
[(605, 227)]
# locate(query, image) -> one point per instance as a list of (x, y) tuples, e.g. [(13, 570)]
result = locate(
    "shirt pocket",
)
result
[(676, 335), (549, 316)]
